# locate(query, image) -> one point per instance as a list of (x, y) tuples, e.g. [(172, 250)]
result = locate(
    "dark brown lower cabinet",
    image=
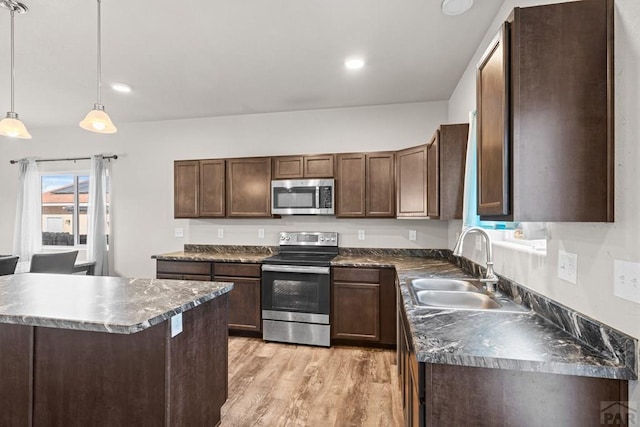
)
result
[(449, 395), (363, 306), (183, 270), (65, 377), (245, 304)]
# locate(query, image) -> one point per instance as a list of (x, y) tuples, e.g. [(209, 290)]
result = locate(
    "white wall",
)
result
[(142, 182), (597, 245)]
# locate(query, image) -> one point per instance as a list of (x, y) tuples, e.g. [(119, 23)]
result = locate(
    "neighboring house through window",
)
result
[(65, 198)]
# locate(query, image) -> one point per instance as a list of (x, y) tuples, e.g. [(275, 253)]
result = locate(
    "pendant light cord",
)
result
[(99, 55), (13, 68)]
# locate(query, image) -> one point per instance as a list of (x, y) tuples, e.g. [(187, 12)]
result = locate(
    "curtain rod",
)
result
[(68, 159)]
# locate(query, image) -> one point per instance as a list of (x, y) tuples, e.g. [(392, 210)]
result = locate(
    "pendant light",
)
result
[(97, 120), (11, 125)]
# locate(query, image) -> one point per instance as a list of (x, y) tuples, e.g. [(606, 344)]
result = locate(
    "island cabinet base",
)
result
[(80, 378), (461, 395)]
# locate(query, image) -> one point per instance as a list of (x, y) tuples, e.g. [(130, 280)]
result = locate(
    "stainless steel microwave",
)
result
[(303, 197)]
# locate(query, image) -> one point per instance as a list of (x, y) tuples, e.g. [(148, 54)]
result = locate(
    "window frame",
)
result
[(76, 174)]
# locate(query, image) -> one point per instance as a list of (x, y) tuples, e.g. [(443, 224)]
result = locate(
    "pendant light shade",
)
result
[(11, 125), (97, 120)]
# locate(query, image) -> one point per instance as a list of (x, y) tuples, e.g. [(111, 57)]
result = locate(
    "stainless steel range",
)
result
[(296, 289)]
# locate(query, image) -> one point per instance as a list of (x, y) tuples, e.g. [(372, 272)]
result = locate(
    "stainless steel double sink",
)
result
[(461, 294)]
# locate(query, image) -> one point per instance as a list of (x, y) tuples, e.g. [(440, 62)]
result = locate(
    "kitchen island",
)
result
[(107, 351)]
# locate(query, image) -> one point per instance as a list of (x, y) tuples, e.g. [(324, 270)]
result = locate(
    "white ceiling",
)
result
[(200, 58)]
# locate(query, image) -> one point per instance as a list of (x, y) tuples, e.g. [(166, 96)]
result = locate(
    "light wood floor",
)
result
[(290, 385)]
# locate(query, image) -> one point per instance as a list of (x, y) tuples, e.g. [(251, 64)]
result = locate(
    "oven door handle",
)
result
[(295, 269)]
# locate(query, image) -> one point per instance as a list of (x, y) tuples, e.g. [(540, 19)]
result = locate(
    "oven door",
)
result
[(296, 293)]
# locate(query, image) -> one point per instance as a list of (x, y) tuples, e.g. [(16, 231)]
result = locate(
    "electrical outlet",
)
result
[(478, 243), (360, 234), (626, 280), (568, 266), (260, 233), (413, 235), (178, 232), (220, 233)]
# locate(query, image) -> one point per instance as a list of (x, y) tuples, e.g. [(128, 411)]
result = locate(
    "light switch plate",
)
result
[(568, 266), (478, 243), (176, 324), (220, 233), (626, 278), (260, 233), (178, 232), (360, 234), (413, 235)]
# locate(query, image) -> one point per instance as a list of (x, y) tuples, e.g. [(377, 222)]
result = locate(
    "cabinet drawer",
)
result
[(236, 270), (361, 275), (184, 267), (169, 276)]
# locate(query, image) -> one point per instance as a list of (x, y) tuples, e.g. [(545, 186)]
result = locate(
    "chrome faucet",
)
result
[(490, 278)]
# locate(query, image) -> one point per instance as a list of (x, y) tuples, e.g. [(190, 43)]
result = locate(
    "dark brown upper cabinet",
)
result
[(212, 188), (294, 167), (545, 116), (365, 185), (446, 157), (351, 185), (248, 188), (381, 186), (199, 188), (411, 182), (186, 188)]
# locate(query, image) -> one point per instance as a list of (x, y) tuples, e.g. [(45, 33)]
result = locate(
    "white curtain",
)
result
[(27, 237), (97, 245)]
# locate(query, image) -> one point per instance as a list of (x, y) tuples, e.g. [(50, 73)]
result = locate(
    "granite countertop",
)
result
[(503, 340), (102, 304), (230, 256)]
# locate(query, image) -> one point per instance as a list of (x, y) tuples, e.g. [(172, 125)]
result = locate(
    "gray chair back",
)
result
[(8, 264), (57, 262)]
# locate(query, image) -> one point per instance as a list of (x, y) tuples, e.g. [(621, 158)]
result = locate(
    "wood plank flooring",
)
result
[(273, 384)]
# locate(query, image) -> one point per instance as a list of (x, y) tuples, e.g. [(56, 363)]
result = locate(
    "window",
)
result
[(65, 197)]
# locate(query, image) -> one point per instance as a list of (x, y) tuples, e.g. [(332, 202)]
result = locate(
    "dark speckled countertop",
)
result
[(519, 341), (102, 304)]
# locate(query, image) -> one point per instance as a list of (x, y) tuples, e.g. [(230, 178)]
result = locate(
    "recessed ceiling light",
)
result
[(456, 7), (121, 87), (354, 63)]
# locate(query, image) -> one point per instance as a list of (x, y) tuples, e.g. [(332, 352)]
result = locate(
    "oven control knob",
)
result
[(333, 239), (287, 238), (322, 239)]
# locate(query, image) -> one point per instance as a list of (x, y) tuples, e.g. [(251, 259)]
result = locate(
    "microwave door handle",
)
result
[(317, 197), (295, 269)]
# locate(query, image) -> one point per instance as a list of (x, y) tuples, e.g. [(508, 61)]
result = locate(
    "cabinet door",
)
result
[(362, 323), (186, 182), (411, 182), (452, 155), (381, 186), (212, 188), (288, 167), (493, 128), (320, 166), (351, 189), (245, 310), (249, 187), (433, 176)]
